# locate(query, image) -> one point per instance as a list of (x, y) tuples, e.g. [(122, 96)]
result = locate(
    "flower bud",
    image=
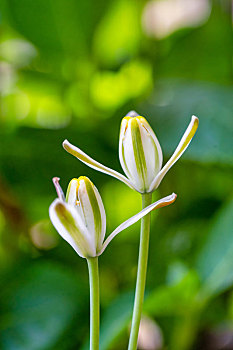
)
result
[(80, 218), (139, 152), (91, 208)]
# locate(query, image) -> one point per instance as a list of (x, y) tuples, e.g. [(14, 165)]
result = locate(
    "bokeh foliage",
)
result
[(72, 69)]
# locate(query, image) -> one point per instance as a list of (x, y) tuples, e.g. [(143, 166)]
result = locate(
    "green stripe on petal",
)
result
[(147, 126), (87, 194), (138, 151), (95, 207), (124, 127), (183, 144), (71, 193), (125, 168), (103, 220), (69, 225), (78, 153), (151, 155)]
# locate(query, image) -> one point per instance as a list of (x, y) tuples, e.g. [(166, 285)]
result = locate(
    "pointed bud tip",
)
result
[(195, 120), (83, 180), (194, 125), (174, 196), (132, 114), (74, 179), (65, 143)]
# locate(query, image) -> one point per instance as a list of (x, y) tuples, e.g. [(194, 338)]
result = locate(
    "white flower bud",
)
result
[(80, 218), (139, 152)]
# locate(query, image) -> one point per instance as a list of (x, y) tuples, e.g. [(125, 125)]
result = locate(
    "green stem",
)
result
[(141, 274), (94, 302)]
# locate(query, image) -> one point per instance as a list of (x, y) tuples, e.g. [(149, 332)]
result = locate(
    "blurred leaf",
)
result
[(56, 26), (175, 299), (114, 321), (38, 307), (170, 111), (116, 199), (230, 306), (34, 109), (110, 90), (178, 301), (215, 260), (118, 34)]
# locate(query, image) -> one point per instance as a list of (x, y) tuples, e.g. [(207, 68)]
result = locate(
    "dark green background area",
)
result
[(71, 70)]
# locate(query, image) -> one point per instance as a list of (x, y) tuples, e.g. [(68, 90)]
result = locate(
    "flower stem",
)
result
[(94, 302), (141, 274)]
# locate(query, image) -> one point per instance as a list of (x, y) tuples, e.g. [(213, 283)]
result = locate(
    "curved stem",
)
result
[(141, 274), (94, 302)]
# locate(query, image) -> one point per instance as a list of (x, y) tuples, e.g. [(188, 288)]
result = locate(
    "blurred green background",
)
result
[(72, 69)]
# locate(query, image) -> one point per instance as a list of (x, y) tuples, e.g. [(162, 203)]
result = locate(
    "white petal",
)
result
[(93, 210), (184, 142), (152, 151), (159, 204), (71, 194), (139, 152), (123, 127), (151, 132), (69, 225), (103, 219), (129, 164), (75, 151)]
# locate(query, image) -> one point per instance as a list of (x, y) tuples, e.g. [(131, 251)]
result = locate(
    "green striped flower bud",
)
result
[(80, 218), (90, 206), (140, 153)]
